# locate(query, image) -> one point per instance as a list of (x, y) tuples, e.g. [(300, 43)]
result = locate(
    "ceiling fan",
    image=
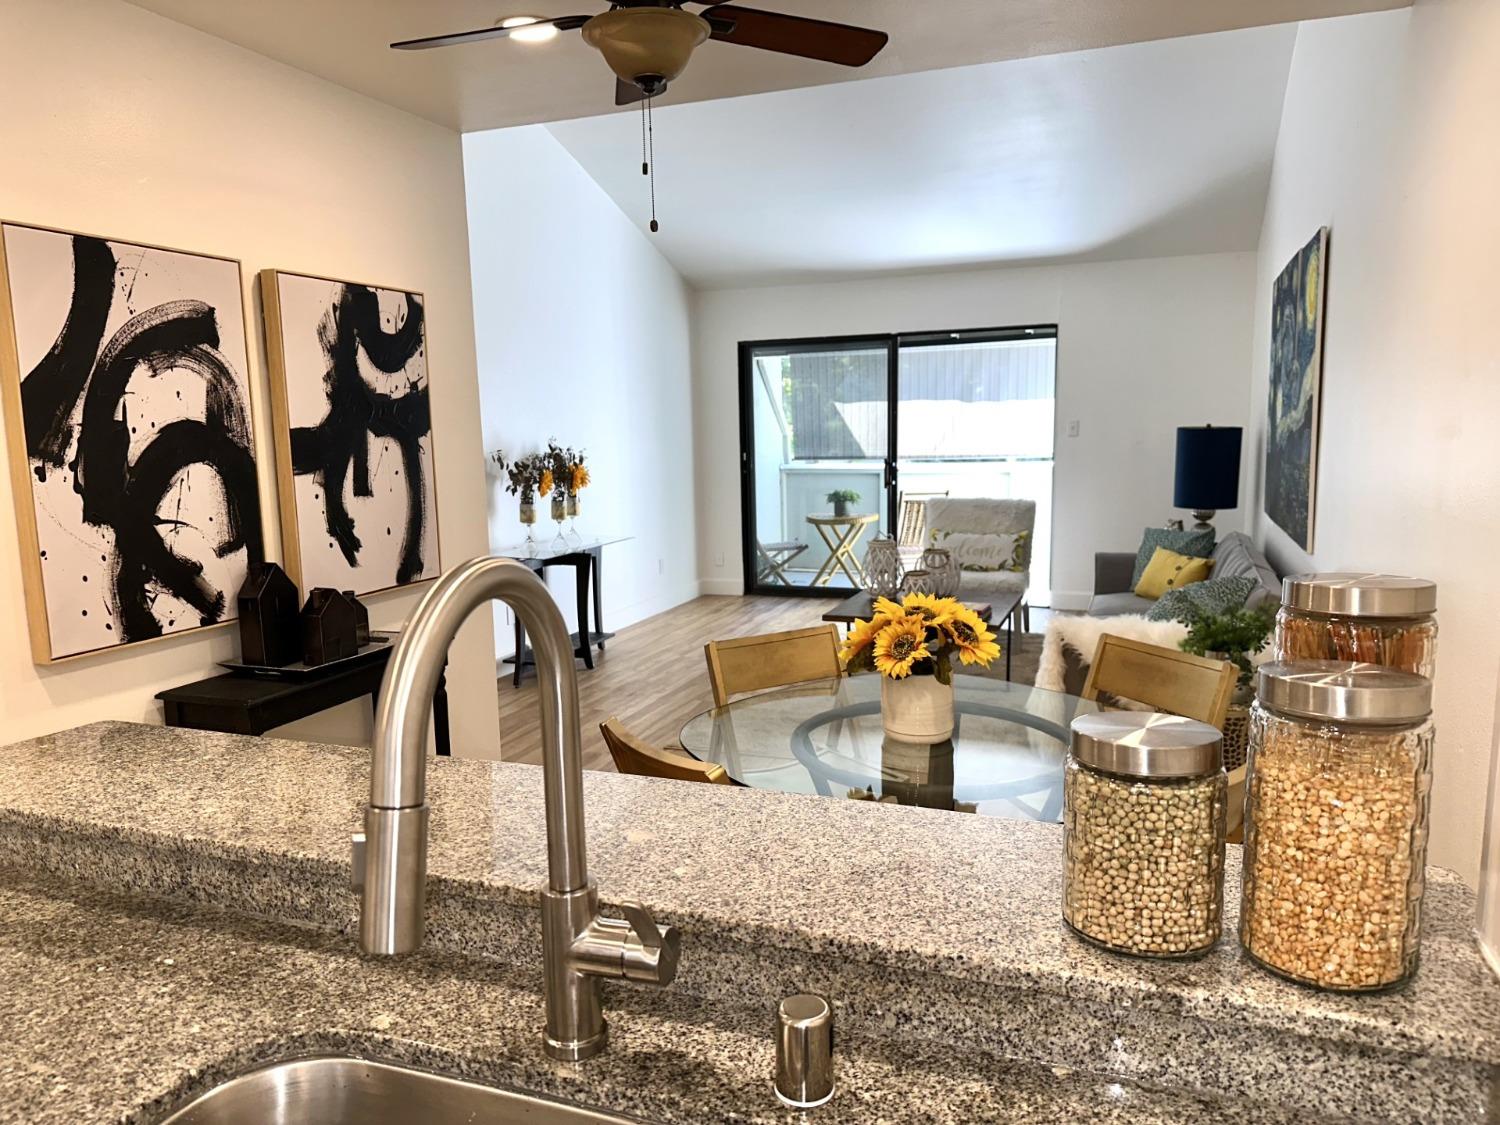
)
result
[(648, 43)]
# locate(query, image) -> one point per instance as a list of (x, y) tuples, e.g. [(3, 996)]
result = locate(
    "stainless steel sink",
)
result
[(345, 1091)]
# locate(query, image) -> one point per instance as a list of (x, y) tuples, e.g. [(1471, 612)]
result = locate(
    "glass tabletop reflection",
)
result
[(825, 738)]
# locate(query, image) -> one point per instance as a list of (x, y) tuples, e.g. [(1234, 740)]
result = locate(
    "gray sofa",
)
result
[(1234, 555)]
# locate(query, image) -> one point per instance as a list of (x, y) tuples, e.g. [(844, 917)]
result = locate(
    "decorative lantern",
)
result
[(943, 568), (883, 567)]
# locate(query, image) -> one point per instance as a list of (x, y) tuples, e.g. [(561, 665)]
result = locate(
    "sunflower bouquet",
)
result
[(917, 637)]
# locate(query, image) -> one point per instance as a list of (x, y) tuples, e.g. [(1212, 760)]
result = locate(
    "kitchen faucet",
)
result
[(579, 946)]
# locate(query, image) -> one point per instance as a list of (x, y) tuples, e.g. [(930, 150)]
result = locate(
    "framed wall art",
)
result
[(1292, 412), (353, 424), (127, 413)]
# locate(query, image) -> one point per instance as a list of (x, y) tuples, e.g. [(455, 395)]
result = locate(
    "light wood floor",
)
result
[(652, 675)]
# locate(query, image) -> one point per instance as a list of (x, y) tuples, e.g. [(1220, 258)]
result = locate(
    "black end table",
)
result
[(244, 703)]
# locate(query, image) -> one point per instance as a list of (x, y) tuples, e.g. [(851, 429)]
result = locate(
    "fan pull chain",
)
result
[(651, 159), (645, 162)]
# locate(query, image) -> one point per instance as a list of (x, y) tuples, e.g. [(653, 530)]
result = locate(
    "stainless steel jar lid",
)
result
[(1147, 745), (1360, 595), (1344, 692)]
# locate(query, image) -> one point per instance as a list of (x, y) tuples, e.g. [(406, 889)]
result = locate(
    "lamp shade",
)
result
[(1208, 468)]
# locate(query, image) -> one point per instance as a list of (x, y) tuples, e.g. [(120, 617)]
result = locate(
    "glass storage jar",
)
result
[(1370, 618), (1143, 833), (1336, 823)]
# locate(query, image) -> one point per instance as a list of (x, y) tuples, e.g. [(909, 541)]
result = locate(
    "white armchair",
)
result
[(988, 517)]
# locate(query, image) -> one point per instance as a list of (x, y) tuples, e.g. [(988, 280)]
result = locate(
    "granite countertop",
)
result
[(773, 869), (120, 1009), (912, 894)]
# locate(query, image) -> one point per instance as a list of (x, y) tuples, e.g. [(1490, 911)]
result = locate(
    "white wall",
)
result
[(1389, 137), (583, 335), (121, 123), (1143, 347)]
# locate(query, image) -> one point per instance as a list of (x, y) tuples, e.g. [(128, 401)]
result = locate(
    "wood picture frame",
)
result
[(143, 587), (351, 552)]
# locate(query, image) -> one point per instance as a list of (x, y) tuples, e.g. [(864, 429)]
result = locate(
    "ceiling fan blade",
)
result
[(795, 35), (562, 23)]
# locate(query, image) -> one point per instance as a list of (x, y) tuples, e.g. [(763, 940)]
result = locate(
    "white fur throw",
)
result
[(1081, 634)]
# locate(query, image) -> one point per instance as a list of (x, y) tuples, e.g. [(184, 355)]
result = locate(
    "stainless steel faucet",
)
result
[(579, 947)]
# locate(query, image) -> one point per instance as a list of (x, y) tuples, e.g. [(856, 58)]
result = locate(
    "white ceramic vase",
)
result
[(917, 709)]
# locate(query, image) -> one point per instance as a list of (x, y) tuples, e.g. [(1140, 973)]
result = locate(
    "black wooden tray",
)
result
[(379, 646)]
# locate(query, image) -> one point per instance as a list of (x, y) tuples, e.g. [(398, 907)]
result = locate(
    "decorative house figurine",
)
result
[(267, 608), (362, 619), (330, 626)]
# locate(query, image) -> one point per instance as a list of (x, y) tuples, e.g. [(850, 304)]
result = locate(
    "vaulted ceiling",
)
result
[(496, 83)]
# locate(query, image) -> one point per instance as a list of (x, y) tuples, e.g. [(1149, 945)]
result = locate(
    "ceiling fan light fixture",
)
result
[(646, 43), (542, 34)]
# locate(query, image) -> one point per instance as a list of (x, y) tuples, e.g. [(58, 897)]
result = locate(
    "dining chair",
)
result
[(1179, 683), (634, 756), (772, 660)]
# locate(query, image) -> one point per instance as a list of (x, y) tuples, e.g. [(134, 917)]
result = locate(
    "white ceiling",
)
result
[(497, 83), (1146, 150)]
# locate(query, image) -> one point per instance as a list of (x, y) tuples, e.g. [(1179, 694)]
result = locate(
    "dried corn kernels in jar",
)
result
[(1336, 823)]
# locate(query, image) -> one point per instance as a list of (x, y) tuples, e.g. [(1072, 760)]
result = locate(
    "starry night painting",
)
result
[(128, 426), (353, 431), (1297, 302)]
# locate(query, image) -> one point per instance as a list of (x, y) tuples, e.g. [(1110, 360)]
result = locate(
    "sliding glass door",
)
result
[(841, 436), (815, 460), (977, 415)]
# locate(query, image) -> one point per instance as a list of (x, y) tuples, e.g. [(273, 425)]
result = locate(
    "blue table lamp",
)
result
[(1208, 471)]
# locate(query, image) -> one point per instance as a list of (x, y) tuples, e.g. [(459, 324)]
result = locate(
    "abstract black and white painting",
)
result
[(128, 425), (353, 431), (1294, 400)]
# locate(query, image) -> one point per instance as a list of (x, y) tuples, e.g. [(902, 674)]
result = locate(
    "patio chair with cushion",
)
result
[(992, 541)]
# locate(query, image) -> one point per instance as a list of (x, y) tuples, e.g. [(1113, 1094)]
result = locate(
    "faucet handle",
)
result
[(651, 953)]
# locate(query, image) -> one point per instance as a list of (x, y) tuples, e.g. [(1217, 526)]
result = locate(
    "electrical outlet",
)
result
[(1073, 428), (719, 559), (661, 566)]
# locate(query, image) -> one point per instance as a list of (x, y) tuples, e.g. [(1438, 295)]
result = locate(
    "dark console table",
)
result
[(586, 557), (243, 702)]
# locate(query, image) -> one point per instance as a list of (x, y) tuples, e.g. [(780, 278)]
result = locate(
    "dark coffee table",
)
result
[(860, 606)]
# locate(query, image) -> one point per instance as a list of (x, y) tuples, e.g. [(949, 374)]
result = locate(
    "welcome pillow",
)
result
[(974, 551)]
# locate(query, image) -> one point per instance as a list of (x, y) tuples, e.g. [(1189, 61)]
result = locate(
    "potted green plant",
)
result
[(841, 498), (1236, 636)]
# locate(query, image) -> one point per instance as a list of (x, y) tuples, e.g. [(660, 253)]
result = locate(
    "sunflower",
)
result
[(854, 651), (936, 610), (580, 479), (975, 643), (891, 611), (546, 484), (900, 645)]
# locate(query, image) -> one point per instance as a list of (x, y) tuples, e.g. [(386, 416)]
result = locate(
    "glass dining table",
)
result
[(1005, 758)]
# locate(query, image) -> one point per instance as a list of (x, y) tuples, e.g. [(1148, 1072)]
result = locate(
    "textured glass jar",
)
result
[(1143, 834), (883, 567), (943, 568), (1336, 823), (1369, 618)]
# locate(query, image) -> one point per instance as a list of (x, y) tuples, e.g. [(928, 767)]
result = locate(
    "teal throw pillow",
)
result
[(1196, 544), (1215, 595)]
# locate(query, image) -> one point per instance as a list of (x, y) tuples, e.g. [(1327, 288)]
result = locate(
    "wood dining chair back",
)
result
[(1178, 683), (634, 756), (772, 660)]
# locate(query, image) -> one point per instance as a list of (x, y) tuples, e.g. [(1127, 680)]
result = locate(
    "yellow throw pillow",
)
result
[(1168, 570)]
